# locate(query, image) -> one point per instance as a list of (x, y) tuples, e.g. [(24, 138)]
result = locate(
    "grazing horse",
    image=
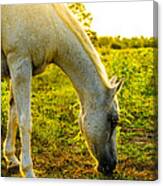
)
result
[(34, 36)]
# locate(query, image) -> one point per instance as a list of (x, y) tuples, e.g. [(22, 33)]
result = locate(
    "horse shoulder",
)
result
[(30, 31)]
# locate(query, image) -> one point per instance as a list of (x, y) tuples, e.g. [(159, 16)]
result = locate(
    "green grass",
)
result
[(58, 148)]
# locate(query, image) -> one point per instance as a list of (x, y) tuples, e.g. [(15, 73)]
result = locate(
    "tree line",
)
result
[(117, 42)]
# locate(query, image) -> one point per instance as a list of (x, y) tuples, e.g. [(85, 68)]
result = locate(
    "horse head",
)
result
[(99, 128)]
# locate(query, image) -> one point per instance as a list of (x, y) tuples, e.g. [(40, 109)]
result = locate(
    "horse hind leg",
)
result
[(9, 144), (21, 75)]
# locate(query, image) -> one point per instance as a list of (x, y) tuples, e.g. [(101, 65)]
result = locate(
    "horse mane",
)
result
[(68, 18)]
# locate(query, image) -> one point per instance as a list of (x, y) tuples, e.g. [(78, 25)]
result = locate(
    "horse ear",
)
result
[(113, 80), (119, 85), (116, 87)]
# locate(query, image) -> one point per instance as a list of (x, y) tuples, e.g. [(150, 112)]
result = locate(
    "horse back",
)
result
[(29, 31)]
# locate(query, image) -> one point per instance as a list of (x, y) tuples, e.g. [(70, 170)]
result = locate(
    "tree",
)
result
[(81, 14), (85, 18)]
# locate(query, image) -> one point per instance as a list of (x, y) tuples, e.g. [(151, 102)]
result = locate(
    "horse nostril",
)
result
[(100, 168), (113, 165), (107, 169)]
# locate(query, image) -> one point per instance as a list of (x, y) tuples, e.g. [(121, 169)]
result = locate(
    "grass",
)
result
[(58, 148)]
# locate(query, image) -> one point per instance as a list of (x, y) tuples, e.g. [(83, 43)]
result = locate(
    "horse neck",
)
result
[(83, 73), (79, 60)]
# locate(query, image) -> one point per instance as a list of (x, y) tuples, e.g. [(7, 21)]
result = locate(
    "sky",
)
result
[(127, 19)]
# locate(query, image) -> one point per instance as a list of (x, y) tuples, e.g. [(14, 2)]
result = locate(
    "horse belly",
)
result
[(28, 36)]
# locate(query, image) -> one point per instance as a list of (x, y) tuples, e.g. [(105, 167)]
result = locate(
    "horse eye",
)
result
[(114, 121)]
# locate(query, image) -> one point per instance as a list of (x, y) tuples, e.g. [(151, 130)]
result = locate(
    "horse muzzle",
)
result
[(107, 168)]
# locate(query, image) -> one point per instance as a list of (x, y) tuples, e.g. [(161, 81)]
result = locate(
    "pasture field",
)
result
[(58, 148)]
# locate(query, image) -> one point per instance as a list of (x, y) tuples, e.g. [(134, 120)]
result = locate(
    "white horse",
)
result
[(34, 36)]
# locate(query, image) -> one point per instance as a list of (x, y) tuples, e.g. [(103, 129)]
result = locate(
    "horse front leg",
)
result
[(9, 144), (21, 75)]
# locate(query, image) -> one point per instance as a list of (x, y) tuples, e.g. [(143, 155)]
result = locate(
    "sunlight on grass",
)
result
[(58, 148)]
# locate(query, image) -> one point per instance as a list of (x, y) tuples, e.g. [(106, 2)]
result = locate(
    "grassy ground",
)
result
[(58, 149)]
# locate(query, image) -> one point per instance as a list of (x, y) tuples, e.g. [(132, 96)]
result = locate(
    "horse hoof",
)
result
[(12, 169), (3, 167), (28, 174)]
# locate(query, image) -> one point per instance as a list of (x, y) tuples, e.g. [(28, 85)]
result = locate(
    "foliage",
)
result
[(85, 18), (58, 148), (81, 14), (124, 43), (118, 42)]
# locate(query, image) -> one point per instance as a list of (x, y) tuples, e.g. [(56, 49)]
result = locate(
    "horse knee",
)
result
[(24, 124)]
